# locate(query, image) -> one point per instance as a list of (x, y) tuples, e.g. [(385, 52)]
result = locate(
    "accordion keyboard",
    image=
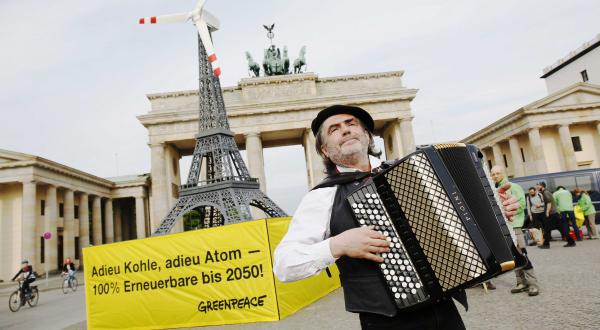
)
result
[(397, 269)]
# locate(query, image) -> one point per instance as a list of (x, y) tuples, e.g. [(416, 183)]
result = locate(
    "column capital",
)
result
[(28, 180), (252, 134), (156, 144)]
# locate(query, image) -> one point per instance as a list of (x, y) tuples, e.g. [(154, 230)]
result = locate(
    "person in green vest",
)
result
[(589, 212), (564, 206), (526, 279)]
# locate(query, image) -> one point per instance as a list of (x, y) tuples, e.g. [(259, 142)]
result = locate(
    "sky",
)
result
[(75, 74)]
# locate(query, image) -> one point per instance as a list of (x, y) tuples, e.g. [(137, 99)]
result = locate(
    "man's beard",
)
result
[(350, 155)]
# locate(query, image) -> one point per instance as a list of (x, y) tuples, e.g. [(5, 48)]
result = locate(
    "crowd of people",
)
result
[(540, 212), (547, 211)]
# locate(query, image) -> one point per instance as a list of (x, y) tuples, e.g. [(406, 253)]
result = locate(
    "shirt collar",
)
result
[(375, 162)]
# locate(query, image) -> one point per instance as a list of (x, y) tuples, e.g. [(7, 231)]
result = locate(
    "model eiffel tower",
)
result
[(228, 191)]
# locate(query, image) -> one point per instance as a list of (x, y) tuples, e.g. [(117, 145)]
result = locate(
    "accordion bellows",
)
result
[(440, 215)]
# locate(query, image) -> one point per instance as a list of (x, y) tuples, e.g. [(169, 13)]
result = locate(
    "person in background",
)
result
[(69, 268), (589, 212), (535, 210), (550, 215), (564, 206), (526, 279), (28, 277)]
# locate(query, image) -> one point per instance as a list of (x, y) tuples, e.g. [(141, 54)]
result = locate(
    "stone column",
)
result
[(109, 225), (256, 163), (497, 151), (160, 191), (567, 147), (597, 143), (408, 138), (69, 225), (537, 148), (96, 221), (118, 222), (314, 163), (392, 140), (84, 223), (28, 231), (50, 221), (140, 218), (515, 153)]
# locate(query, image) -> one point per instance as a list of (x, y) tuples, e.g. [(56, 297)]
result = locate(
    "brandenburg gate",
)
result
[(271, 112)]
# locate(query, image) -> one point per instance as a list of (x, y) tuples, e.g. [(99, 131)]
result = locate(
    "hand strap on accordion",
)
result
[(461, 297), (347, 177), (341, 178)]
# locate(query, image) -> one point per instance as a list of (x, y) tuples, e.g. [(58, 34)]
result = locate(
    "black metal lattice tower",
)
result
[(228, 191)]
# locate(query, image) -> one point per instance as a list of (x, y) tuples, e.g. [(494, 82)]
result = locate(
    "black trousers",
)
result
[(25, 286), (551, 223), (440, 316)]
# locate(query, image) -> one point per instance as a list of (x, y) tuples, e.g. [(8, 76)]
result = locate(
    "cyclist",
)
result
[(28, 277), (69, 268)]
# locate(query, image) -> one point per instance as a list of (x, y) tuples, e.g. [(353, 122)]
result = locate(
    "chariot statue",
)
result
[(275, 62)]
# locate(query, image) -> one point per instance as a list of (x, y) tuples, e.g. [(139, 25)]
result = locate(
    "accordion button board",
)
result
[(398, 271), (431, 251)]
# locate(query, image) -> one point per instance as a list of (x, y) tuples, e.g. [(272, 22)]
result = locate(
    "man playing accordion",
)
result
[(322, 232)]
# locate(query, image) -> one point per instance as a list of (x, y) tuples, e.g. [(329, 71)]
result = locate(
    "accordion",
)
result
[(442, 218)]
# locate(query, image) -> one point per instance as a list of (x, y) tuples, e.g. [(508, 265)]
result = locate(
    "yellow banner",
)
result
[(178, 281), (221, 275)]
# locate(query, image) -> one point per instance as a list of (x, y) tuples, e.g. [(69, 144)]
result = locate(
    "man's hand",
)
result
[(361, 242), (510, 203)]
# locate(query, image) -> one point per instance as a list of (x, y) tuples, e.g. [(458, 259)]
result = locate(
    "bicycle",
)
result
[(69, 283), (31, 297)]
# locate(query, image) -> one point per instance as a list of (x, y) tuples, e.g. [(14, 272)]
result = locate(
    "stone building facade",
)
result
[(40, 196), (272, 111), (560, 132)]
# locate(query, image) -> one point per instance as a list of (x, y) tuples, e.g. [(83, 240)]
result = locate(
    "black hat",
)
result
[(542, 183), (337, 109)]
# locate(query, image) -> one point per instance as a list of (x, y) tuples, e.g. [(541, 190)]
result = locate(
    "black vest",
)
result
[(364, 288)]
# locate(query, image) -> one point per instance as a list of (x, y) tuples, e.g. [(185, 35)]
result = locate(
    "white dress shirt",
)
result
[(304, 250)]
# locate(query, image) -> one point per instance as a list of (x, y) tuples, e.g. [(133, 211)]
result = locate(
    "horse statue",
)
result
[(300, 61), (252, 66)]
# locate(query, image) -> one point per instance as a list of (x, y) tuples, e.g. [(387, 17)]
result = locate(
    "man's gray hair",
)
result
[(329, 165)]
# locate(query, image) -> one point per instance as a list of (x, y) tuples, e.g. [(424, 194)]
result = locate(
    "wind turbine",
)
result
[(204, 21)]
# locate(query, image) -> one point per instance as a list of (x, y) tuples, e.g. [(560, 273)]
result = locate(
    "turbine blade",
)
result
[(208, 45), (175, 18)]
